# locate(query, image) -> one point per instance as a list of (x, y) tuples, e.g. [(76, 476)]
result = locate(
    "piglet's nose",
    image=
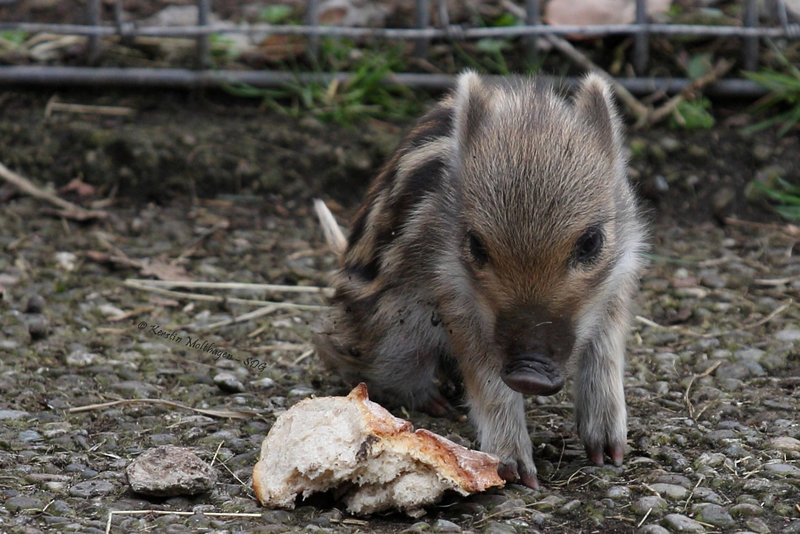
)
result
[(532, 373)]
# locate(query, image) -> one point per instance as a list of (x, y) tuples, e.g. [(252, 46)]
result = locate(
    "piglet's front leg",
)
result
[(599, 393), (498, 412)]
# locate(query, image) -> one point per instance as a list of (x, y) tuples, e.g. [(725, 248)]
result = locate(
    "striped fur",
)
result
[(500, 244)]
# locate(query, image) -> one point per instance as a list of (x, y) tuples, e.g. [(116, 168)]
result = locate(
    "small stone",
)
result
[(762, 152), (443, 525), (653, 529), (682, 523), (81, 358), (650, 503), (228, 382), (788, 470), (91, 488), (34, 304), (549, 502), (708, 495), (169, 471), (499, 528), (618, 492), (509, 508), (711, 459), (571, 506), (671, 491), (28, 436), (38, 327), (23, 502), (746, 510), (785, 443), (12, 415), (751, 354), (788, 334), (714, 514), (263, 383), (756, 524)]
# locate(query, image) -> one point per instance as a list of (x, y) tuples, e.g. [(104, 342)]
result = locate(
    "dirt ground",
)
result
[(215, 189)]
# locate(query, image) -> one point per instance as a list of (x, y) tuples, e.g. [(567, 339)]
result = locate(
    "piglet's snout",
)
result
[(532, 373)]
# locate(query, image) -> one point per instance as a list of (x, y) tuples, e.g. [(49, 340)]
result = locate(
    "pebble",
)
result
[(682, 523), (756, 524), (12, 415), (228, 382), (169, 471), (656, 503), (91, 488), (745, 510), (34, 304), (653, 529), (443, 525), (81, 358), (788, 334), (23, 502), (618, 492), (714, 514), (670, 491), (499, 528), (38, 327), (788, 470), (786, 443)]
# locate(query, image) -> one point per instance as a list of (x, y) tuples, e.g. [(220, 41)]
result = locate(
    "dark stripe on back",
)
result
[(437, 123)]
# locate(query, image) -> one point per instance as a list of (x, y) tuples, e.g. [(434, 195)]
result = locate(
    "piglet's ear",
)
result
[(471, 107), (594, 102)]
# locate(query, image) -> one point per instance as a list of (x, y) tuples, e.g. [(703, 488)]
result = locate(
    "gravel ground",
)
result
[(713, 378)]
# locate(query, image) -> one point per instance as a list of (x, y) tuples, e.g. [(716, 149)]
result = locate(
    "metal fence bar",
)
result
[(422, 16), (750, 17), (93, 11), (532, 18), (312, 19), (790, 31), (203, 9), (641, 44), (185, 78)]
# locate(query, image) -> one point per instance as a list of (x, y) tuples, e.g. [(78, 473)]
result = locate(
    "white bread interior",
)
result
[(374, 460)]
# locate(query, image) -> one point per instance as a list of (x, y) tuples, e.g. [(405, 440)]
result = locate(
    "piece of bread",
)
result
[(373, 458)]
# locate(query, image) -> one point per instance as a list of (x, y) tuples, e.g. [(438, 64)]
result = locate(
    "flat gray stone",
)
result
[(682, 523), (788, 334), (788, 470), (670, 491), (714, 514), (656, 503), (169, 471), (745, 510), (91, 488), (23, 502), (12, 415)]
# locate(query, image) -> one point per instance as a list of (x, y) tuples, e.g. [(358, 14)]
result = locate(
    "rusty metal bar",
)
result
[(641, 43)]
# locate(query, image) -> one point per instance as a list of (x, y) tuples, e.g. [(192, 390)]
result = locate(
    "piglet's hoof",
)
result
[(532, 373)]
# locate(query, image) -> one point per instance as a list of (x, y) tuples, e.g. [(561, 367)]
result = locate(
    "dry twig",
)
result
[(232, 414), (68, 209), (694, 377)]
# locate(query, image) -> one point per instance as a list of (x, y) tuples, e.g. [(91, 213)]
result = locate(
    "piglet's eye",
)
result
[(589, 245), (477, 249)]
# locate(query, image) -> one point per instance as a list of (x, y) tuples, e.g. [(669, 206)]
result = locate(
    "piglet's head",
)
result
[(539, 186)]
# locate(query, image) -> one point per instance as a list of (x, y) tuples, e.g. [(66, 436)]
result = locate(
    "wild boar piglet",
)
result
[(501, 245)]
